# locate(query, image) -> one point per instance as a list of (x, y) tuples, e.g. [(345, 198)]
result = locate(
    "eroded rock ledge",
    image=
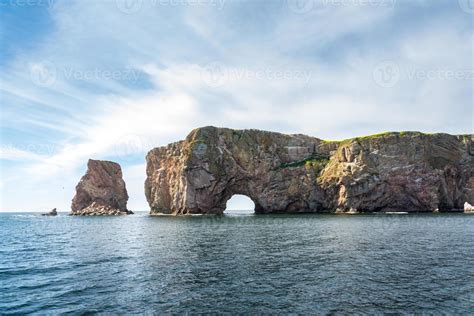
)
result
[(407, 171), (101, 191)]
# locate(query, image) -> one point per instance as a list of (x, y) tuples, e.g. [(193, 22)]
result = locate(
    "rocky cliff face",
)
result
[(101, 191), (406, 171)]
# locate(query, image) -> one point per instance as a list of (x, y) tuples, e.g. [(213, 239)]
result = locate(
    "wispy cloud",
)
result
[(15, 154)]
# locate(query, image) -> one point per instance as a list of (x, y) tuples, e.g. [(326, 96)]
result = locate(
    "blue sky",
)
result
[(113, 79)]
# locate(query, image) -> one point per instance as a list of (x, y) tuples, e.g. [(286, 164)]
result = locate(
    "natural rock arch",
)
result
[(199, 174), (233, 187), (407, 171), (239, 198)]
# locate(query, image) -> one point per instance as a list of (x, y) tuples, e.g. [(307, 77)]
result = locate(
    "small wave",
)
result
[(239, 214), (395, 213)]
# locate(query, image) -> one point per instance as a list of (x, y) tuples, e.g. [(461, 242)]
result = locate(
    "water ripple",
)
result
[(299, 264)]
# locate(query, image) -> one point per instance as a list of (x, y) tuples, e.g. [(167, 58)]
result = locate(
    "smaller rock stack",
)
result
[(101, 191), (53, 212)]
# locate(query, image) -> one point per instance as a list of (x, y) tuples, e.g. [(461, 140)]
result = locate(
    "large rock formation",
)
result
[(406, 171), (101, 190)]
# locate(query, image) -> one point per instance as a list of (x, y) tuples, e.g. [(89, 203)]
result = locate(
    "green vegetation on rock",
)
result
[(315, 160), (375, 136), (317, 165)]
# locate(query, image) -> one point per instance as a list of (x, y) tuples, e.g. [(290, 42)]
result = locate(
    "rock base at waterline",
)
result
[(98, 209)]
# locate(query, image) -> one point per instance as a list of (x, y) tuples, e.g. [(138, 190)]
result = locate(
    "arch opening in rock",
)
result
[(239, 204)]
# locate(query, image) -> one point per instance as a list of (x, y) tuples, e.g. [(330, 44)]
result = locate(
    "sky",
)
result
[(112, 79)]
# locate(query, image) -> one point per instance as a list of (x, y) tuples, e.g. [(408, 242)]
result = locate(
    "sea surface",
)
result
[(237, 264)]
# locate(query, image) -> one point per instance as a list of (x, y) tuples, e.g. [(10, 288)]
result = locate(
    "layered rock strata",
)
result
[(101, 191), (407, 171)]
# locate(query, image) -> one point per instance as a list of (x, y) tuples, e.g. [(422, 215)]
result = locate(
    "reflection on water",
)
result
[(237, 263)]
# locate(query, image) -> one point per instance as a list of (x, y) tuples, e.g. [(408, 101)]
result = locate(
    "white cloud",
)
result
[(124, 126), (15, 154)]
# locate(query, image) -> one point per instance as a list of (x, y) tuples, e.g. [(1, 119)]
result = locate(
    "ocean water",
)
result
[(266, 264)]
